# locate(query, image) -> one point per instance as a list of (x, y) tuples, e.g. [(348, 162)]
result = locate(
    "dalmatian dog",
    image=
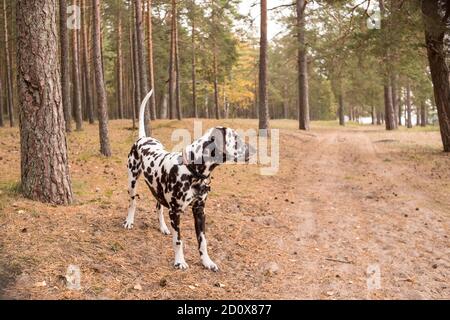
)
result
[(179, 180)]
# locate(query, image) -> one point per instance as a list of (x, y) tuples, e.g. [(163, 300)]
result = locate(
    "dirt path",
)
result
[(358, 214), (347, 206)]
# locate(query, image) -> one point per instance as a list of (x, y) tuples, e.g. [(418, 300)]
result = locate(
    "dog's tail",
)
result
[(142, 133)]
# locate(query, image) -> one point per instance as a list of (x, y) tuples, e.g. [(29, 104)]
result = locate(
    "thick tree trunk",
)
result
[(76, 79), (423, 114), (65, 85), (9, 81), (142, 63), (102, 108), (408, 106), (44, 162), (151, 73), (263, 98), (302, 68), (193, 66), (341, 112), (119, 64), (435, 30), (89, 103)]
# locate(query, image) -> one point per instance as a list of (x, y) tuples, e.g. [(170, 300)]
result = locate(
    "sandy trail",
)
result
[(358, 214)]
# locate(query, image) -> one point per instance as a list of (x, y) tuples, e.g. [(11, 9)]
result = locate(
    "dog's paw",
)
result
[(182, 265), (164, 230), (128, 224), (209, 264)]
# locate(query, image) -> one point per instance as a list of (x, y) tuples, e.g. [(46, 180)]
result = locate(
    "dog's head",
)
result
[(219, 145)]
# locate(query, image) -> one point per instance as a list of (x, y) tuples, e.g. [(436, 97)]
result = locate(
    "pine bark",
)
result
[(388, 106), (76, 79), (119, 63), (142, 63), (89, 100), (44, 161), (151, 72), (423, 114), (136, 70), (172, 67), (216, 84), (177, 79), (193, 65), (341, 112), (65, 85), (302, 68), (1, 102), (9, 80), (102, 108), (408, 106), (435, 30), (263, 98)]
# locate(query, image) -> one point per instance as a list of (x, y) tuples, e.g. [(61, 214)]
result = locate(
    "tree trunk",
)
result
[(302, 68), (408, 106), (286, 101), (142, 63), (1, 102), (216, 84), (9, 81), (194, 73), (389, 114), (151, 73), (135, 64), (395, 104), (65, 85), (435, 30), (400, 107), (102, 108), (177, 68), (44, 162), (119, 63), (341, 112), (263, 98), (373, 115), (86, 63), (76, 79), (172, 67), (424, 116)]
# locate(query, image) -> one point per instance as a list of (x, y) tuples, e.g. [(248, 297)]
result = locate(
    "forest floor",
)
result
[(346, 202)]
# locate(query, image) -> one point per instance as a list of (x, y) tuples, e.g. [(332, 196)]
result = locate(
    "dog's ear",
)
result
[(218, 137)]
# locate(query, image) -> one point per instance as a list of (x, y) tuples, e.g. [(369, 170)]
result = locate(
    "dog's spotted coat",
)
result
[(181, 179)]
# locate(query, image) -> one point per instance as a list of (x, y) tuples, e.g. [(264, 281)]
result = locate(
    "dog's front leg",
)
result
[(179, 263), (198, 209)]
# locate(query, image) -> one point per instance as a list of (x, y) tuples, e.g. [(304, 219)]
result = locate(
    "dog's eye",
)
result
[(213, 138)]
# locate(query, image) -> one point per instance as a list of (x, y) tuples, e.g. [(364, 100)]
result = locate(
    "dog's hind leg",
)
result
[(162, 224), (198, 209), (134, 171)]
